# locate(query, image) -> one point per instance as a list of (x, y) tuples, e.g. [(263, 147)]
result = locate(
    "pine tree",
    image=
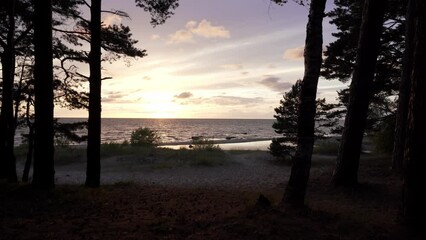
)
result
[(326, 121)]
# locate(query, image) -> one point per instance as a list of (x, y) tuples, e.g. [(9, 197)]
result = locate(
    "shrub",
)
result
[(383, 139), (327, 146), (204, 144), (281, 148), (144, 136)]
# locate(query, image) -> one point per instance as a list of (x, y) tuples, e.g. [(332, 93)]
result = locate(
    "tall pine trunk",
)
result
[(414, 199), (346, 171), (30, 151), (43, 176), (7, 123), (296, 189), (404, 94), (94, 128)]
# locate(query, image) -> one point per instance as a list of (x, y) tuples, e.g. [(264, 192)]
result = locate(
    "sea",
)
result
[(182, 131)]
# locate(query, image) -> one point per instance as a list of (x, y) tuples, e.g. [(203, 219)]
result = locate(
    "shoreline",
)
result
[(227, 144), (237, 144)]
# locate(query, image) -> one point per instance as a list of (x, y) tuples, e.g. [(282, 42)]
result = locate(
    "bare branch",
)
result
[(3, 44), (117, 12), (70, 32), (24, 34), (87, 4), (81, 75)]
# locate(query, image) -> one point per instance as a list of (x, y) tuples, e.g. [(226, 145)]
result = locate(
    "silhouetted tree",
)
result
[(7, 126), (95, 80), (346, 171), (341, 55), (30, 151), (43, 176), (296, 188), (404, 93), (21, 45), (160, 10), (94, 127), (414, 211), (326, 121)]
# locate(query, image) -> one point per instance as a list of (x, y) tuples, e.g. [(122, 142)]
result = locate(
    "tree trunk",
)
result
[(44, 172), (346, 171), (296, 189), (404, 94), (30, 152), (94, 126), (28, 161), (414, 210), (7, 123)]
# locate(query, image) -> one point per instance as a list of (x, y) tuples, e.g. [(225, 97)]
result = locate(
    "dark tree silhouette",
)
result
[(7, 124), (404, 93), (340, 56), (160, 11), (94, 127), (414, 211), (296, 189), (43, 176), (346, 171), (326, 121)]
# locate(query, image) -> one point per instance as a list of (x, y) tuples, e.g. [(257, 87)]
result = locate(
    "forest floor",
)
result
[(139, 210)]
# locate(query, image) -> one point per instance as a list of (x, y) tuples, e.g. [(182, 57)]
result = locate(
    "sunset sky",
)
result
[(212, 59)]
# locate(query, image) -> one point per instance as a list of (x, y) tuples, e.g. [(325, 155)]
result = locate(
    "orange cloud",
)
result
[(294, 53)]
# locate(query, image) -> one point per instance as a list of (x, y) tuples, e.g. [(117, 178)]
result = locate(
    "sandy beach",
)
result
[(242, 169)]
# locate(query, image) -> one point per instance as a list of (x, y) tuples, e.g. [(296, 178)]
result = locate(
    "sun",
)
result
[(164, 109)]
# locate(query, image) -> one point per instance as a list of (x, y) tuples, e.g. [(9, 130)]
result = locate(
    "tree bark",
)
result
[(7, 123), (94, 126), (27, 167), (28, 161), (43, 176), (346, 171), (296, 189), (404, 94), (414, 210)]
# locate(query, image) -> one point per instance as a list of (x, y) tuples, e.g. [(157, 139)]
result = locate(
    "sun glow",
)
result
[(163, 109)]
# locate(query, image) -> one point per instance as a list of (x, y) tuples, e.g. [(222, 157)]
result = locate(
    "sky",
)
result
[(211, 59)]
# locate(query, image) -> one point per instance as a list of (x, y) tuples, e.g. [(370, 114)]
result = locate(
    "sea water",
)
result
[(181, 131)]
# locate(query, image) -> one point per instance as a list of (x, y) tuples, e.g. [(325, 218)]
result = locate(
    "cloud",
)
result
[(275, 84), (207, 30), (233, 66), (116, 97), (294, 53), (184, 95), (155, 37), (181, 36), (112, 19), (231, 100), (203, 29), (224, 101)]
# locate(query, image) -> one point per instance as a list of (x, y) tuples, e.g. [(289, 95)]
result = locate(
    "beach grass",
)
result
[(142, 156)]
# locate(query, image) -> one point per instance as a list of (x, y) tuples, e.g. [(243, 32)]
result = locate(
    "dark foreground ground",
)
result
[(132, 211)]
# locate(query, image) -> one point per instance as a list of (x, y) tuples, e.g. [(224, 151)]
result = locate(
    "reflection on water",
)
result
[(182, 130), (255, 145)]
